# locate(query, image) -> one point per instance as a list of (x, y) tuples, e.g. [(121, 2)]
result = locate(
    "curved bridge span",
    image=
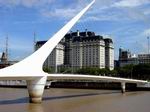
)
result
[(30, 69)]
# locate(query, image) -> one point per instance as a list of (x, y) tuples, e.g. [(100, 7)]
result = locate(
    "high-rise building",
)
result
[(81, 50), (87, 50)]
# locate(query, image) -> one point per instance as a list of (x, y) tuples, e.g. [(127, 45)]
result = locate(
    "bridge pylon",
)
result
[(36, 89), (37, 84)]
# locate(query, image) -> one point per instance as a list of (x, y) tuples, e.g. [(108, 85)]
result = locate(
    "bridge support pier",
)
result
[(35, 89), (123, 87)]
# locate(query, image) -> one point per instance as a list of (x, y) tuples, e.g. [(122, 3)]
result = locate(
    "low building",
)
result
[(144, 58), (125, 58), (5, 62)]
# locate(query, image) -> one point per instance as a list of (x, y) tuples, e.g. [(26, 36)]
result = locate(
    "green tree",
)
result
[(96, 71), (47, 70), (65, 70), (141, 71), (126, 71)]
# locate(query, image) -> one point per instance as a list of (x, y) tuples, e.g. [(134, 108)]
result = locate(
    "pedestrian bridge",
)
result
[(30, 69), (123, 81)]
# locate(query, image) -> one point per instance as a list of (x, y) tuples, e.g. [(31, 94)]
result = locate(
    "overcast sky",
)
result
[(126, 21)]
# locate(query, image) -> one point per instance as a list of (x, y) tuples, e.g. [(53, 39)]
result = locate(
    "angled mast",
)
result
[(33, 64)]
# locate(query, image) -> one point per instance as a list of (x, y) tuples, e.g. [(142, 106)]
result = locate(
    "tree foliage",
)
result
[(96, 71), (47, 70), (65, 70), (140, 71)]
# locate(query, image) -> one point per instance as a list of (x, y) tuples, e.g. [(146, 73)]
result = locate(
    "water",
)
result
[(75, 100)]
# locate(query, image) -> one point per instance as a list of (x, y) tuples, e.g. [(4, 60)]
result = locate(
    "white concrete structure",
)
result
[(56, 57), (30, 69), (123, 81)]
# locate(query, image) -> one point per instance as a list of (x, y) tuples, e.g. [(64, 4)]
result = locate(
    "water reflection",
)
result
[(15, 101), (75, 100), (78, 95), (26, 99), (35, 108)]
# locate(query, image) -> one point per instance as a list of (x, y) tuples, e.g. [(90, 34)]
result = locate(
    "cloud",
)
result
[(120, 13), (48, 8), (136, 14), (146, 32), (111, 15), (65, 13), (147, 11), (131, 3), (67, 9), (112, 10), (132, 11), (25, 3)]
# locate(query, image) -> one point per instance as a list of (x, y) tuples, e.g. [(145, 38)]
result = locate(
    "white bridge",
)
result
[(30, 69)]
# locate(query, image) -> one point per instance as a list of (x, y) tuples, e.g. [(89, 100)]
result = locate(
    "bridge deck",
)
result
[(73, 77), (91, 77)]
